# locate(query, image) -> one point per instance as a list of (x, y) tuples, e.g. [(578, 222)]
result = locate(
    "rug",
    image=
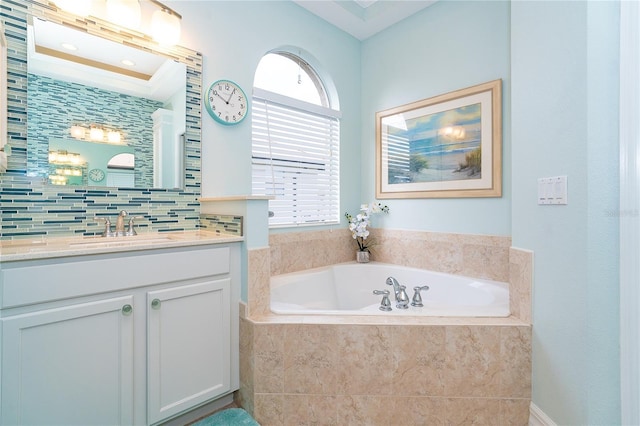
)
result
[(228, 417)]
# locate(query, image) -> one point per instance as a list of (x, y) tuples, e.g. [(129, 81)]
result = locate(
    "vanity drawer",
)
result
[(30, 282)]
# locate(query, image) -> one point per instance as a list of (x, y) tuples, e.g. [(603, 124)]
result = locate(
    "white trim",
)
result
[(629, 213), (295, 103), (537, 417)]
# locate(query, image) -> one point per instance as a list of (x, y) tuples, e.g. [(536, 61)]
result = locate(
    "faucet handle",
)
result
[(107, 226), (385, 303), (417, 298), (131, 231)]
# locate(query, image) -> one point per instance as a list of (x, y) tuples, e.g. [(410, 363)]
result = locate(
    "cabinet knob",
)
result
[(155, 304), (127, 309)]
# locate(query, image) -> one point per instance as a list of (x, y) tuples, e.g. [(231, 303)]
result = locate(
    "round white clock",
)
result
[(96, 175), (226, 102)]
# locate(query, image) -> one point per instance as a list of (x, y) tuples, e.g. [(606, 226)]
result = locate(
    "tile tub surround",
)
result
[(520, 283), (385, 374), (374, 370), (482, 256)]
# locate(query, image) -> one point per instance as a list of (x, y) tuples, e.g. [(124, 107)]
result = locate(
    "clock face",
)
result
[(226, 102), (96, 175)]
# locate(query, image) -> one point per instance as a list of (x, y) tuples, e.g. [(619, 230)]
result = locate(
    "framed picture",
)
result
[(442, 147)]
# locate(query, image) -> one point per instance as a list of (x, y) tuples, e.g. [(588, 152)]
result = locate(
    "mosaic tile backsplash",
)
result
[(75, 104), (28, 207)]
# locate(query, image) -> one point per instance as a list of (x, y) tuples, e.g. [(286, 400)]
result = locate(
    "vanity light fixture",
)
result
[(165, 25), (96, 134), (58, 180), (64, 157), (165, 22), (126, 13)]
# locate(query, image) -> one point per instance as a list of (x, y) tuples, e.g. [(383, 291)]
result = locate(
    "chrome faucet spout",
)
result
[(396, 285), (120, 224), (402, 298)]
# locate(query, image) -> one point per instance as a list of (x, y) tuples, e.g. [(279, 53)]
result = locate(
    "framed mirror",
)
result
[(95, 121), (90, 100)]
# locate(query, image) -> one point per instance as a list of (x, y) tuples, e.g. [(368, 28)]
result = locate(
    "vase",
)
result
[(362, 256)]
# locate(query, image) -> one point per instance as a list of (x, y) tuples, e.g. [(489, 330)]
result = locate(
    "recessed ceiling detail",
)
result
[(363, 18)]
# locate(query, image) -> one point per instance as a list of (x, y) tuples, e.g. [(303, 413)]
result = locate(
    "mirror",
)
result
[(91, 99)]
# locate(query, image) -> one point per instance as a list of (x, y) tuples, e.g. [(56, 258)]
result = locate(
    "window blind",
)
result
[(295, 159)]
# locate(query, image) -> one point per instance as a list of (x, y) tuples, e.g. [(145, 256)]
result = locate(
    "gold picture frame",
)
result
[(447, 146)]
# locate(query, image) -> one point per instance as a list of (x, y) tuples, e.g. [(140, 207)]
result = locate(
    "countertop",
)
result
[(51, 247)]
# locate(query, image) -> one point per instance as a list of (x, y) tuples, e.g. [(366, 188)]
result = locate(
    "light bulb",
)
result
[(77, 132), (113, 136), (126, 13), (165, 28), (96, 134)]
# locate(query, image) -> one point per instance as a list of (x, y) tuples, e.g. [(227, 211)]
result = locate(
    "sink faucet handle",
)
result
[(131, 231), (417, 298), (385, 303), (107, 226)]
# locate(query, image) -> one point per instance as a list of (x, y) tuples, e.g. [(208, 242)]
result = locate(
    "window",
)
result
[(295, 143)]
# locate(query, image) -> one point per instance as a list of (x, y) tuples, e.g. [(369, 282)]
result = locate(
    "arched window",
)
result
[(295, 142)]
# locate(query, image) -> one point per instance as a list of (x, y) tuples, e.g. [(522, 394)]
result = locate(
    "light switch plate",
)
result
[(552, 190)]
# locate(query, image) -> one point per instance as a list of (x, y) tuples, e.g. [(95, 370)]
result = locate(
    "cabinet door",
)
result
[(188, 346), (69, 366)]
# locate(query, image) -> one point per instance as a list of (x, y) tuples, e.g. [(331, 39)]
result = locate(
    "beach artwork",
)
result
[(445, 146)]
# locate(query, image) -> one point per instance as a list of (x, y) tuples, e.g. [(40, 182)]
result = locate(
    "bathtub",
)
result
[(347, 289)]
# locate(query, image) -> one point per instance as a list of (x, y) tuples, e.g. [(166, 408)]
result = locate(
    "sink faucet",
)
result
[(120, 224), (402, 298)]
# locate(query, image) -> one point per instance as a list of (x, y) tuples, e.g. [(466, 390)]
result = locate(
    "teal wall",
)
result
[(564, 73), (447, 46), (233, 36)]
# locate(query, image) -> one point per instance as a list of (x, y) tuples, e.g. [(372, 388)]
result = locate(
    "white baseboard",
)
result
[(537, 417)]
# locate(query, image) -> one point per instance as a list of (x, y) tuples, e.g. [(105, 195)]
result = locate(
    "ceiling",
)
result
[(363, 18)]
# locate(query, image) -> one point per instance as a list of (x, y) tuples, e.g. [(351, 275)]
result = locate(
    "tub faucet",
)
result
[(402, 298)]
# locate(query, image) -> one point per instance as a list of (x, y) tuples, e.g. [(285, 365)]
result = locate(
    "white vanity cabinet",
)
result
[(69, 365), (132, 337), (187, 368)]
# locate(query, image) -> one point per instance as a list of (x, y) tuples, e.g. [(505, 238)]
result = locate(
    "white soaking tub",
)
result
[(347, 289)]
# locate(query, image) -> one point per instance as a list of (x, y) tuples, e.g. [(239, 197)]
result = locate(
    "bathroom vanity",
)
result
[(117, 330)]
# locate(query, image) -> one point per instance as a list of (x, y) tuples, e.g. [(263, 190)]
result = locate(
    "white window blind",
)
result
[(295, 159)]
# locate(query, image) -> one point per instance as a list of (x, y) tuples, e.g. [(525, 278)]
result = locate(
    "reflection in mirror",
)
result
[(97, 99)]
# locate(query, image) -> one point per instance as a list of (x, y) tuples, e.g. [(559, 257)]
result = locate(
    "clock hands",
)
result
[(228, 100), (233, 110), (230, 96), (218, 95)]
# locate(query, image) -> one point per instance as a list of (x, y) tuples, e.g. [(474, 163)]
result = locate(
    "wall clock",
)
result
[(226, 102), (96, 175)]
